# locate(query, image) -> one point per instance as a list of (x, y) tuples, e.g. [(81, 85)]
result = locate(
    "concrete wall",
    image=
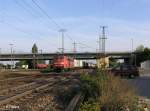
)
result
[(145, 64)]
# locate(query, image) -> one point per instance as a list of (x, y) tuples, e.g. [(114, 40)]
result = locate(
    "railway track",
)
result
[(20, 87), (75, 102), (14, 78), (13, 82), (73, 105), (26, 91), (18, 78), (21, 94)]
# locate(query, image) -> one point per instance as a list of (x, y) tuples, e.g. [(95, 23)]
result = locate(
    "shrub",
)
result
[(47, 70), (90, 106), (109, 93)]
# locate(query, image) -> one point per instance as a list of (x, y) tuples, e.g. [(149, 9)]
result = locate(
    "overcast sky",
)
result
[(23, 24)]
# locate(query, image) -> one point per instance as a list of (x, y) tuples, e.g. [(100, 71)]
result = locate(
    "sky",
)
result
[(22, 23)]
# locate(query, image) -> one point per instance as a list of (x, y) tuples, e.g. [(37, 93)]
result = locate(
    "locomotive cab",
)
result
[(63, 62)]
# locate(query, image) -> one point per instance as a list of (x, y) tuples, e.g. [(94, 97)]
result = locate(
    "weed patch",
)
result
[(104, 92)]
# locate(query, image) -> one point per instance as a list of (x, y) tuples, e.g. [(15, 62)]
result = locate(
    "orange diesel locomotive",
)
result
[(63, 62)]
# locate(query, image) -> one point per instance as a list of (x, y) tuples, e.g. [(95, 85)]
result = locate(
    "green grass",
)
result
[(48, 70)]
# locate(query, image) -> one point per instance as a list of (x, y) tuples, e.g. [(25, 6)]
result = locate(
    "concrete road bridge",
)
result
[(50, 56)]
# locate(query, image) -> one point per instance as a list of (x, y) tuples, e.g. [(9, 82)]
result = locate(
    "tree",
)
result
[(146, 54), (34, 51), (113, 62), (34, 48), (140, 48), (30, 63), (24, 62), (142, 56), (20, 63)]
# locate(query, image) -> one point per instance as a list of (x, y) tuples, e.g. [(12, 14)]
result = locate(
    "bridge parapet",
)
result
[(49, 56)]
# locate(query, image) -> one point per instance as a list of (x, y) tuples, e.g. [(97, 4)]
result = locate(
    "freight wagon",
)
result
[(42, 66), (78, 63)]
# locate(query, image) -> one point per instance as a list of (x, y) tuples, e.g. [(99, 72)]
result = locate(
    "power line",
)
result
[(16, 28), (45, 13), (30, 6), (69, 37), (28, 11), (22, 6), (50, 18), (86, 45)]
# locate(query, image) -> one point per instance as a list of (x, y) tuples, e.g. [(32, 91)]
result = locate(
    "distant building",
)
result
[(103, 62), (145, 64)]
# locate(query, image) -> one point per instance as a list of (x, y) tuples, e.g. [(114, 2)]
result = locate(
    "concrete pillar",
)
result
[(127, 60)]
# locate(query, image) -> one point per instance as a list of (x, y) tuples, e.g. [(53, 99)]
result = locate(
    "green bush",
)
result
[(90, 106), (88, 86), (109, 92), (48, 70)]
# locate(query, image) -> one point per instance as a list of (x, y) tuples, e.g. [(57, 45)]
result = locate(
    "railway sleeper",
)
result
[(18, 96), (6, 91), (75, 102), (31, 93)]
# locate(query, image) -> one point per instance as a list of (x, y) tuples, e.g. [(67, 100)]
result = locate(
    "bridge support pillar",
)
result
[(128, 61)]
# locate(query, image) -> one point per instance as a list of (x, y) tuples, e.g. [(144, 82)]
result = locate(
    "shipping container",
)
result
[(78, 63)]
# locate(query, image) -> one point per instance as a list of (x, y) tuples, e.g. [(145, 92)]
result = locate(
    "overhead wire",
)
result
[(16, 28), (28, 11), (86, 45), (50, 18), (35, 11), (21, 21), (23, 7), (45, 13)]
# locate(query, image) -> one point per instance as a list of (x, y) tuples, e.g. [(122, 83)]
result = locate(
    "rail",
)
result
[(23, 94), (21, 86), (14, 78), (17, 94), (77, 99)]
